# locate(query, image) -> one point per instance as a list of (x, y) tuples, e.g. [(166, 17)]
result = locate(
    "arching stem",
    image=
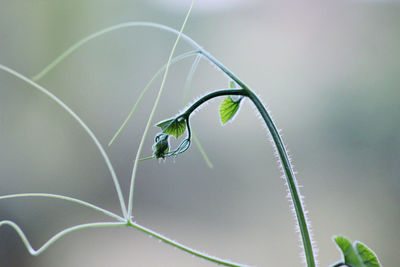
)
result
[(280, 147)]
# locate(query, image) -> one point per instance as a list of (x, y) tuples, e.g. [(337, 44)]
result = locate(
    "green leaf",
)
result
[(228, 109), (174, 127), (368, 257), (356, 255), (350, 256)]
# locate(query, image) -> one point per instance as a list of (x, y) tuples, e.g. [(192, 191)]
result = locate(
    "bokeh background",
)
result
[(327, 70)]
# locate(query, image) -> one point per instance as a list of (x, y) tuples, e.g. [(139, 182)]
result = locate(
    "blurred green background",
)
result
[(328, 71)]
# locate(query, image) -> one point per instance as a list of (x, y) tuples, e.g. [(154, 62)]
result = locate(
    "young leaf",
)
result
[(368, 257), (174, 127), (228, 109), (350, 256), (356, 255)]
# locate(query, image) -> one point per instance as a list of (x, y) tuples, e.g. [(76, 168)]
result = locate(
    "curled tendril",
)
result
[(183, 146)]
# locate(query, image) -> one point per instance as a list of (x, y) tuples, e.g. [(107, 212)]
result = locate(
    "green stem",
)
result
[(189, 78), (174, 60), (71, 199), (202, 152), (95, 35), (224, 69), (288, 170), (82, 124), (209, 96), (283, 156), (290, 179), (135, 164), (57, 236), (182, 247), (287, 167), (131, 224)]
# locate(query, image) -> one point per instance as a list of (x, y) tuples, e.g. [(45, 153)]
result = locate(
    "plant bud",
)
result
[(161, 145)]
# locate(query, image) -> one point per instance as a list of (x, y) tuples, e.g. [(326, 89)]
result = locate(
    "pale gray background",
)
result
[(328, 71)]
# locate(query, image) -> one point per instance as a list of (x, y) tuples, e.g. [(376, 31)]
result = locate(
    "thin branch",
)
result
[(71, 199), (271, 126), (188, 83), (183, 247), (82, 124), (83, 41), (174, 60), (57, 236), (203, 152), (130, 201), (283, 156), (189, 78)]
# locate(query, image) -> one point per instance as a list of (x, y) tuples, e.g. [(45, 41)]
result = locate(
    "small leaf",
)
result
[(356, 255), (174, 127), (350, 256), (232, 84), (368, 257), (228, 108)]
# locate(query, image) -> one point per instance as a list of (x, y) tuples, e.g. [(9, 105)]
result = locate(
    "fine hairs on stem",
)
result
[(127, 212), (126, 220), (175, 126)]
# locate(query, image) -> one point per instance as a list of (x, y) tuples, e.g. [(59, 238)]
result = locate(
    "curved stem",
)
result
[(134, 225), (71, 199), (287, 167), (290, 179), (188, 82), (189, 78), (209, 96), (182, 247), (288, 170), (283, 156), (135, 164), (57, 236), (202, 152), (224, 69), (82, 124), (174, 60), (83, 41)]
